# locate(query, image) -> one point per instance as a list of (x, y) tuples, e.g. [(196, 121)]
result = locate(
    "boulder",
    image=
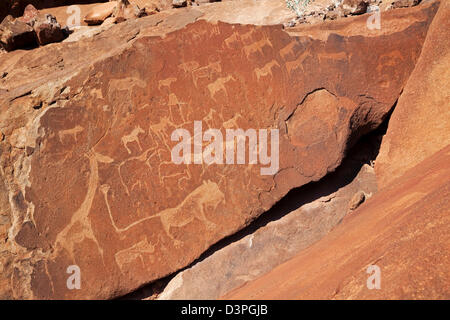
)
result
[(357, 199), (401, 234), (16, 34), (152, 5), (354, 7), (17, 7), (420, 123), (100, 13), (30, 27), (29, 14), (179, 3), (90, 176), (47, 29), (403, 3)]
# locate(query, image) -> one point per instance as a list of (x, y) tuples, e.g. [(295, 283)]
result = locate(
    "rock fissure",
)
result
[(347, 180)]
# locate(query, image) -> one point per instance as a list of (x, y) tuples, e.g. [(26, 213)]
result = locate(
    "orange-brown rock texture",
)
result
[(403, 229), (86, 139), (420, 124), (307, 214), (16, 7)]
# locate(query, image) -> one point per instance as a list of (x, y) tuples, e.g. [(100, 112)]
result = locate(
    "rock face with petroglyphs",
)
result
[(86, 141), (301, 218)]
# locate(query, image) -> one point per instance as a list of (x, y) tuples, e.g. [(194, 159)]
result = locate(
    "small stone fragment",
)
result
[(356, 200)]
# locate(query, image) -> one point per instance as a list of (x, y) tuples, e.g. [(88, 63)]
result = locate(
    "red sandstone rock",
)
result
[(404, 3), (32, 26), (403, 230), (126, 11), (29, 14), (89, 136), (179, 3), (119, 10), (47, 29), (100, 13), (15, 34), (353, 7), (357, 199), (17, 7), (420, 123), (262, 12)]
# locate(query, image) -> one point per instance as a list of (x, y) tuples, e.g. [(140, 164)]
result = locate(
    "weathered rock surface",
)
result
[(29, 14), (16, 34), (120, 11), (47, 29), (304, 217), (152, 5), (319, 11), (29, 30), (403, 229), (420, 124), (17, 7), (357, 199), (86, 148), (65, 14), (356, 25), (179, 3), (404, 3), (99, 13), (258, 12), (126, 11), (354, 7)]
